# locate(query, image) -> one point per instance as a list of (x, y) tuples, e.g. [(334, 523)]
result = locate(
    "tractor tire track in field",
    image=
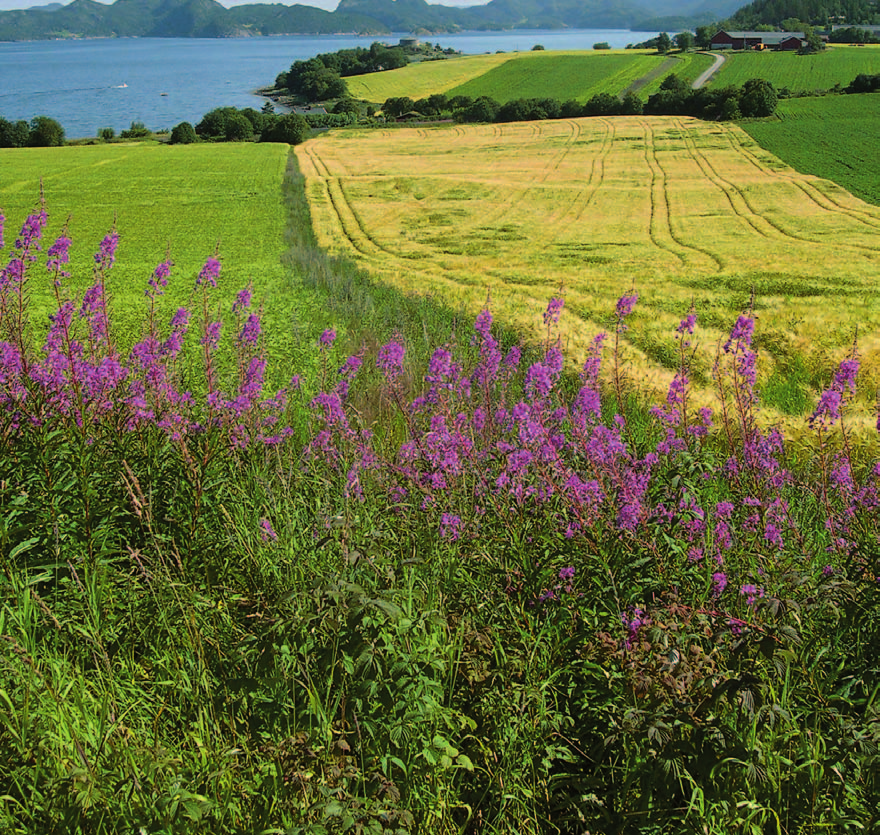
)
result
[(574, 133), (738, 204), (737, 146), (661, 212), (579, 204), (867, 216)]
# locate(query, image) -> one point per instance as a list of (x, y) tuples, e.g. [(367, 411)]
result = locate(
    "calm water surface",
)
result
[(87, 85)]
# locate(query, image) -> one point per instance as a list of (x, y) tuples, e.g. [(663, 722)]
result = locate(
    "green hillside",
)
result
[(834, 137), (423, 79), (820, 71), (561, 76)]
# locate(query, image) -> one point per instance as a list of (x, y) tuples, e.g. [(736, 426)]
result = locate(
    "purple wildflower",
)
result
[(554, 308), (390, 360), (566, 573), (159, 280), (842, 389), (450, 526), (719, 583), (625, 305), (106, 254), (751, 593), (327, 339), (212, 335), (58, 254), (209, 273), (242, 299), (250, 330), (686, 326), (267, 532)]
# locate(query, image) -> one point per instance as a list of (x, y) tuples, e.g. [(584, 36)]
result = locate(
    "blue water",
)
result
[(80, 83)]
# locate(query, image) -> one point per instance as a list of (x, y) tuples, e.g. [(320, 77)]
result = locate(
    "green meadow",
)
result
[(834, 137), (188, 200), (559, 75), (799, 73)]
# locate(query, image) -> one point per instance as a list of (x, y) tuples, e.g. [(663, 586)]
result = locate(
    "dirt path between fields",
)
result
[(637, 85), (704, 77)]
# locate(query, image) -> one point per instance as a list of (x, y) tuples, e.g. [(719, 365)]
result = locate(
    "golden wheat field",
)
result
[(684, 211)]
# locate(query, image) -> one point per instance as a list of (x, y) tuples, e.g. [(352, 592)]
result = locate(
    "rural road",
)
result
[(704, 77)]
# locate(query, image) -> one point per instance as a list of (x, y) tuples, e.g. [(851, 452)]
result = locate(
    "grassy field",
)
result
[(560, 75), (800, 73), (424, 78), (682, 210), (188, 199), (832, 137)]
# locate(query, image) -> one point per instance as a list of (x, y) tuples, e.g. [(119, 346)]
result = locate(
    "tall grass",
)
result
[(464, 593)]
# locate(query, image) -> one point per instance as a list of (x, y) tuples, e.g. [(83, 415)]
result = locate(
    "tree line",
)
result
[(755, 98), (321, 78), (40, 132)]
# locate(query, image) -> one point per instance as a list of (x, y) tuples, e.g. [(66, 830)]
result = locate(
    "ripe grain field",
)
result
[(684, 211), (799, 73)]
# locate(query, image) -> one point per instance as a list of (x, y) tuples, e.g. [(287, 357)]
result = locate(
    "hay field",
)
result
[(682, 210), (560, 75), (838, 64), (419, 80)]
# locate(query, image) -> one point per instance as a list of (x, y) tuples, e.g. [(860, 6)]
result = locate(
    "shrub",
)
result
[(183, 134), (106, 134), (45, 133), (137, 130)]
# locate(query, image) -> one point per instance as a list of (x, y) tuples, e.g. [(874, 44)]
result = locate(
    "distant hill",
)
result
[(813, 12), (209, 19)]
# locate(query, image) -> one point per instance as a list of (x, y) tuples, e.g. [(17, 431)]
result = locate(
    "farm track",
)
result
[(869, 216), (751, 215), (578, 205), (660, 205), (738, 204)]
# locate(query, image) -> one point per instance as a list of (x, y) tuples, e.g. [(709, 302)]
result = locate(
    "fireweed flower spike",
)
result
[(58, 255), (390, 360), (209, 273)]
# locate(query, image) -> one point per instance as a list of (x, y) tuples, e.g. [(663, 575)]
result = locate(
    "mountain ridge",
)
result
[(210, 19)]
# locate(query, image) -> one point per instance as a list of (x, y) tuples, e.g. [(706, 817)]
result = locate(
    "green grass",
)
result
[(799, 73), (834, 137), (560, 76), (188, 199), (422, 79)]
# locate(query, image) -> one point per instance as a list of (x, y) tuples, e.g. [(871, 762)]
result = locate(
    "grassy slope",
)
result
[(423, 79), (561, 75), (837, 65), (832, 137), (186, 198)]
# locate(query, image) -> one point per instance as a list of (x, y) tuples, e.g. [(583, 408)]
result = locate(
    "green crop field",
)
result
[(799, 73), (422, 79), (185, 198), (559, 75), (834, 137), (562, 76)]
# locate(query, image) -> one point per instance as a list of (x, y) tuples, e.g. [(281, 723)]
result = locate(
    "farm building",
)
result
[(756, 40)]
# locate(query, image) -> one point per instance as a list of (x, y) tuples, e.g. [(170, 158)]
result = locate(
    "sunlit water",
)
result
[(90, 84)]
